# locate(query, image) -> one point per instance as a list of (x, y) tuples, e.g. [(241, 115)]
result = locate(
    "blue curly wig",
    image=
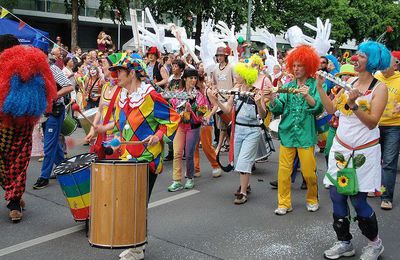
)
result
[(379, 56)]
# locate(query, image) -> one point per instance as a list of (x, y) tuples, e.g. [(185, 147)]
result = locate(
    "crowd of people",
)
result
[(156, 98)]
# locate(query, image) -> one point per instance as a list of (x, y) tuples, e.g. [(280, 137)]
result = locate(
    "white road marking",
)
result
[(68, 231), (172, 198)]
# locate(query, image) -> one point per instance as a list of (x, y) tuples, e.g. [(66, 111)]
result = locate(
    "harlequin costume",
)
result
[(141, 114), (27, 90), (356, 140), (297, 130)]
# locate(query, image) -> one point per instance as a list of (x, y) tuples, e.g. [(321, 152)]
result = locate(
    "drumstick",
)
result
[(71, 143), (117, 142), (75, 107)]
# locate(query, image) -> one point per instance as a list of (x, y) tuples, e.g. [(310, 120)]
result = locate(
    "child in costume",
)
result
[(354, 167), (297, 129), (247, 112), (27, 90)]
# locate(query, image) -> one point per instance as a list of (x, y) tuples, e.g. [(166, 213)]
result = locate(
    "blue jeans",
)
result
[(53, 150), (390, 146), (359, 202)]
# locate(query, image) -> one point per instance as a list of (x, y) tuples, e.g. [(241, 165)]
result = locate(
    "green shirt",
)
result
[(297, 127)]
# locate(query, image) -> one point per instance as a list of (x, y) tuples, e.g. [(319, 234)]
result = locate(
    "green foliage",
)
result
[(358, 19), (68, 5), (109, 5), (8, 4)]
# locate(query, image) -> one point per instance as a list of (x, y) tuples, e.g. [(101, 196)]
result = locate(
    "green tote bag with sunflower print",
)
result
[(346, 181)]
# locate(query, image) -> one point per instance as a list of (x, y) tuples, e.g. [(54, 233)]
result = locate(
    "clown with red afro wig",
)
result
[(305, 55), (27, 90), (297, 129)]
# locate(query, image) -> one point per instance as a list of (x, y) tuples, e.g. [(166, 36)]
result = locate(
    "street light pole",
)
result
[(118, 17), (119, 35), (248, 34)]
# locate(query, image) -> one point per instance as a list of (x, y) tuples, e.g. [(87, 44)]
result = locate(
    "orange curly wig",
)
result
[(307, 56)]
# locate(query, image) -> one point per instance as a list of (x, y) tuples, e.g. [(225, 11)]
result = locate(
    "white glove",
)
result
[(181, 36), (270, 40), (228, 35), (208, 48), (321, 43), (153, 39), (295, 36)]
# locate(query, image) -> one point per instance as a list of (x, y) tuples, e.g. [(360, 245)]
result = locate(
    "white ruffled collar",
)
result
[(136, 98)]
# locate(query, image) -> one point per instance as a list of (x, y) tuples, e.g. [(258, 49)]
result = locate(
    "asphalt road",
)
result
[(196, 225)]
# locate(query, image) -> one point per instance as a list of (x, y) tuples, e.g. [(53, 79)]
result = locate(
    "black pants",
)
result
[(152, 181), (216, 130)]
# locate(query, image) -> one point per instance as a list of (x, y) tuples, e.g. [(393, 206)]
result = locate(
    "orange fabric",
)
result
[(367, 145), (208, 149)]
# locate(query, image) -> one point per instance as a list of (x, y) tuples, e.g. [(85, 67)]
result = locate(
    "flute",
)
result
[(347, 86), (236, 93), (178, 95), (284, 90)]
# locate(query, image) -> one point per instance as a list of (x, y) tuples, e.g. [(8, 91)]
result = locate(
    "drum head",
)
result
[(75, 163), (88, 113)]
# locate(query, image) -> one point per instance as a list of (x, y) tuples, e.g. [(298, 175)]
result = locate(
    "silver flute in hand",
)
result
[(338, 81)]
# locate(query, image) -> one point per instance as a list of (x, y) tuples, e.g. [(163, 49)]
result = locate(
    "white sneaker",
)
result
[(387, 205), (372, 252), (282, 211), (216, 172), (312, 207), (132, 254), (340, 249)]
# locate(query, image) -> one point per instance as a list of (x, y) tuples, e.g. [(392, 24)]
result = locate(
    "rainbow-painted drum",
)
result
[(74, 177)]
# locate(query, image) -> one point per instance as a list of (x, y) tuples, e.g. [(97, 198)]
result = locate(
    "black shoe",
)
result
[(169, 157), (53, 177), (40, 184), (274, 184), (303, 186), (248, 190)]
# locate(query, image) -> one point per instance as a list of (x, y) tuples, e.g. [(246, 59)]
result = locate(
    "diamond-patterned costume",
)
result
[(139, 115), (15, 153), (27, 90)]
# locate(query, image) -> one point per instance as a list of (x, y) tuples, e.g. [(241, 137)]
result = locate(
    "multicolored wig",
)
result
[(305, 55), (27, 85), (248, 73), (379, 57)]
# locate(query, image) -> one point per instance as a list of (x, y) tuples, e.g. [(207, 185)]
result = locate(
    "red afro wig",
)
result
[(26, 63), (305, 55)]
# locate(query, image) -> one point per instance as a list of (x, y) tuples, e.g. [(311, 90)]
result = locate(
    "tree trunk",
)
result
[(198, 28), (74, 23)]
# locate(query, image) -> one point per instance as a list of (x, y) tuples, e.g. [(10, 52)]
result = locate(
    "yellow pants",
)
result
[(308, 167)]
